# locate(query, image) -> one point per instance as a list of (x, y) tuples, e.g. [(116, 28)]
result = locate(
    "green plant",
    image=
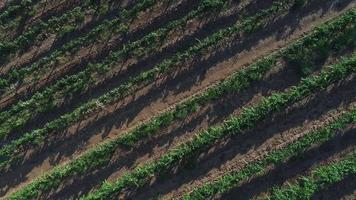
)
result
[(319, 178), (296, 148), (102, 154), (71, 84), (232, 126)]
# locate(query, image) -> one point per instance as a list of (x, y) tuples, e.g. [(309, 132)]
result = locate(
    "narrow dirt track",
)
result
[(189, 80), (331, 151), (52, 41), (90, 136), (121, 73), (278, 131), (43, 10), (71, 64)]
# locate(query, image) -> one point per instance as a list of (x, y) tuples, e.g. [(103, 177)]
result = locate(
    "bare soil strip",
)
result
[(145, 23), (157, 97), (276, 132), (332, 151), (43, 48), (131, 68), (345, 189)]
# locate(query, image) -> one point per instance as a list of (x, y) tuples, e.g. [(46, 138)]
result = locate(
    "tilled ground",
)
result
[(189, 79)]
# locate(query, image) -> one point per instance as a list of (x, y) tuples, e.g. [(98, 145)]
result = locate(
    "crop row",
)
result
[(248, 119), (150, 75), (233, 179), (320, 178), (15, 9), (20, 114), (96, 33), (117, 26), (101, 155), (40, 30), (37, 136), (61, 25), (14, 15)]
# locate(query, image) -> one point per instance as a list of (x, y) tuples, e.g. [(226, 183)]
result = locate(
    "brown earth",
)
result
[(234, 153), (52, 41), (152, 99), (341, 145), (72, 63)]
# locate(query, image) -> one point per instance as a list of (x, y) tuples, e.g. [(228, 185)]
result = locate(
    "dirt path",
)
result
[(131, 68), (145, 23), (159, 96), (294, 169), (275, 176), (149, 150), (44, 9), (176, 41), (41, 119), (52, 41), (332, 151), (278, 130), (161, 99), (49, 8)]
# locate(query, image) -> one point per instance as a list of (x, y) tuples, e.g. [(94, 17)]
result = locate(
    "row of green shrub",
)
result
[(15, 9), (35, 137), (276, 157), (19, 114), (319, 179), (38, 32), (119, 25), (248, 119), (101, 155)]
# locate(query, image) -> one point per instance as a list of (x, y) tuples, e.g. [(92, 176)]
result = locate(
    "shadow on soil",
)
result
[(43, 118), (227, 149), (293, 167), (62, 146), (343, 188)]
